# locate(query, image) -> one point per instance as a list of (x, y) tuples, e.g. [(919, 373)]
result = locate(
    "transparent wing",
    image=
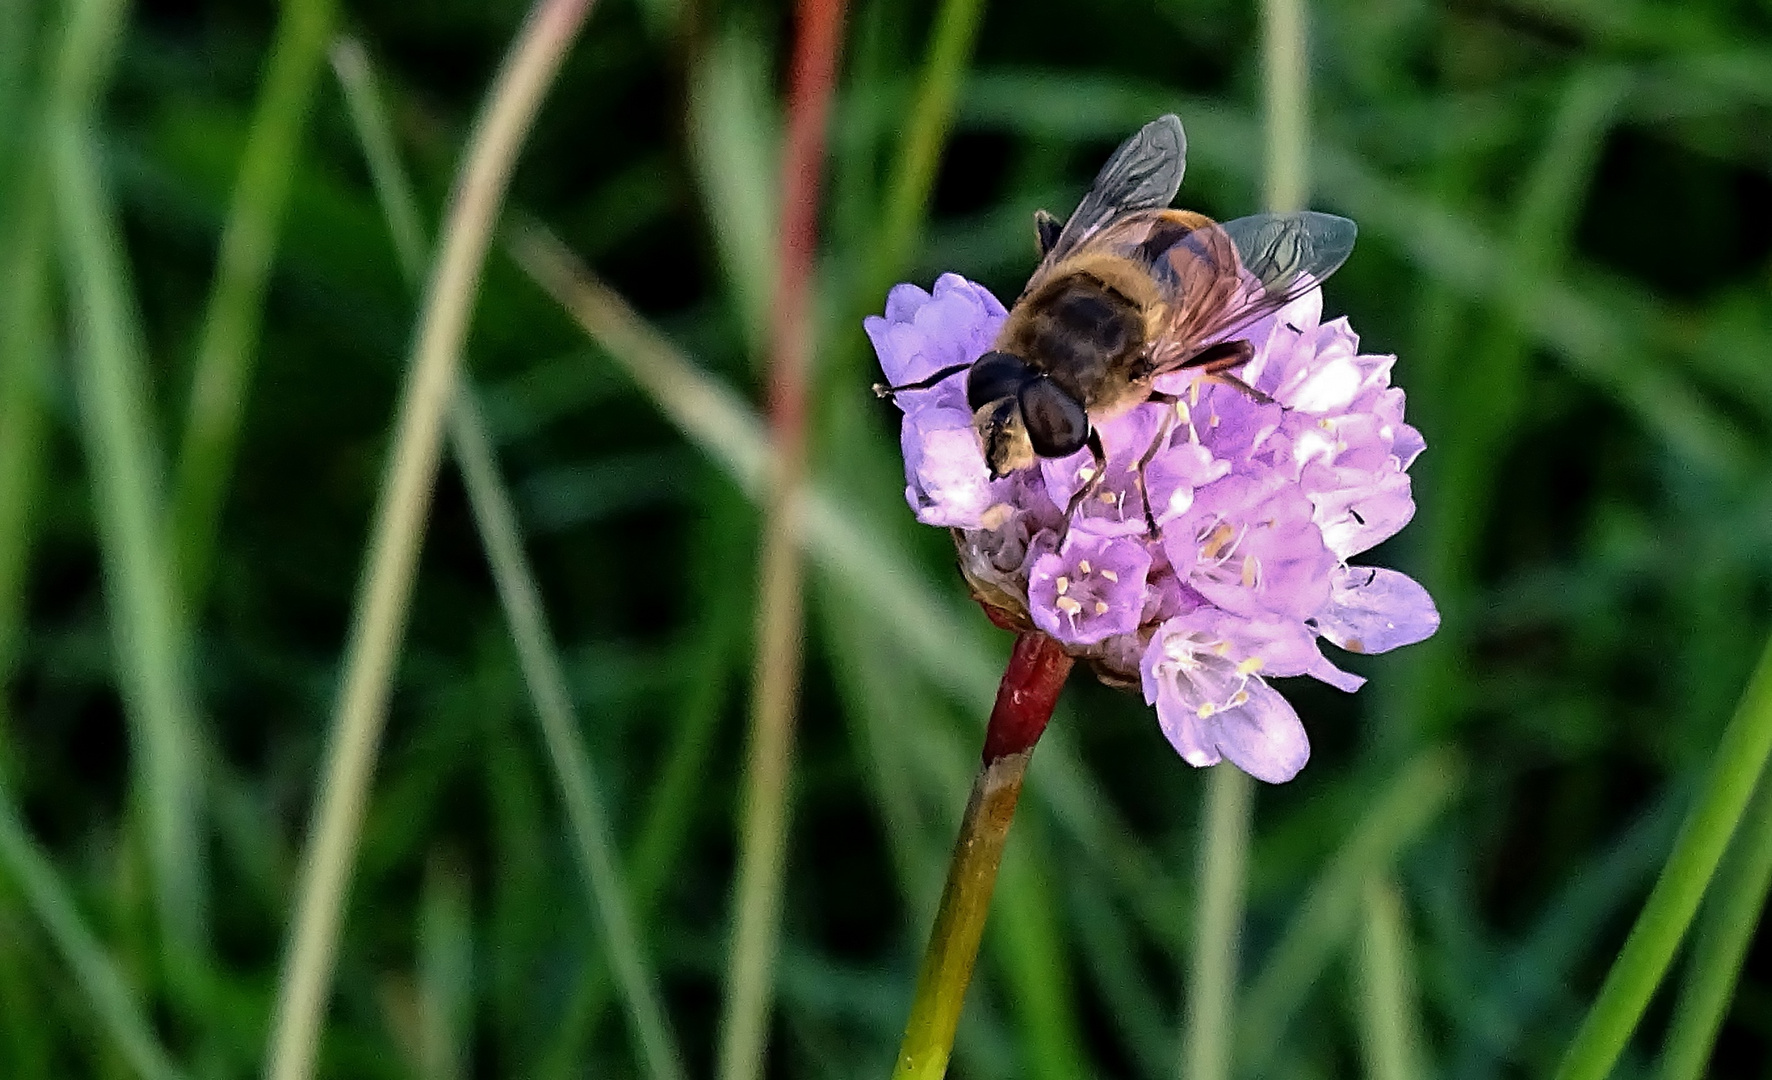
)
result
[(1144, 174), (1225, 277)]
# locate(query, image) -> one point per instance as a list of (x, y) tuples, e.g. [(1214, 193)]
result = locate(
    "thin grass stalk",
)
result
[(925, 133), (147, 623), (1212, 984), (1736, 768), (1730, 921), (445, 968), (25, 336), (120, 1015), (228, 342), (1486, 384), (25, 330), (1328, 914), (1207, 1038), (1384, 992), (386, 590), (538, 657), (763, 825), (579, 788), (1533, 977), (1285, 84), (675, 798)]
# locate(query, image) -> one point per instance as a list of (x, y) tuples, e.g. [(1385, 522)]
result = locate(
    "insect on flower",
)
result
[(1164, 458), (1128, 291)]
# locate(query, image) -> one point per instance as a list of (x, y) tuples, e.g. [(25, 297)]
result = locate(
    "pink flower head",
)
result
[(1258, 506)]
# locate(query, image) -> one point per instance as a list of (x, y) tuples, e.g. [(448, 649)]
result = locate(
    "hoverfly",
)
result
[(1128, 290)]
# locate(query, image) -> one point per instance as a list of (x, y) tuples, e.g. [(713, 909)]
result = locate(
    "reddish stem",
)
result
[(1030, 687), (814, 73)]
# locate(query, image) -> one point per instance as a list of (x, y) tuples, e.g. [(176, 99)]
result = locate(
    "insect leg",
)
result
[(882, 390), (1164, 427), (1216, 362), (1046, 230), (1091, 485), (1230, 380), (1221, 357)]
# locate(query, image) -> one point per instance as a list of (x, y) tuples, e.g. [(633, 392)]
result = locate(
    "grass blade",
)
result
[(734, 141), (1212, 976), (228, 341), (579, 787), (1230, 798), (1399, 813), (1731, 919), (775, 677), (539, 658), (445, 973), (925, 133), (379, 621), (1533, 978), (119, 1014), (1739, 760), (1029, 945), (25, 336), (146, 619), (1389, 1028)]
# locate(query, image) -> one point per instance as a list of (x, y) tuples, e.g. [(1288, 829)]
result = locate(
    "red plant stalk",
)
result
[(763, 831), (1025, 699)]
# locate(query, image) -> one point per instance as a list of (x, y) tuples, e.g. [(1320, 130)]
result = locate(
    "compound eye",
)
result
[(1057, 423), (994, 376)]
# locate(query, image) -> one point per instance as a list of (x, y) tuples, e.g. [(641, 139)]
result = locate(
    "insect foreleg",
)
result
[(1164, 427), (1091, 485), (882, 390)]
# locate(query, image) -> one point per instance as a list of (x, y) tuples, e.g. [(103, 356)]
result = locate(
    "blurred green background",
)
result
[(1566, 236)]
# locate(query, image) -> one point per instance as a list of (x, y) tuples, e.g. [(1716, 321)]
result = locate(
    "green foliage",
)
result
[(1564, 239)]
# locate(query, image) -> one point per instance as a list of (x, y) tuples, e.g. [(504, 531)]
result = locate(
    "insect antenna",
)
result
[(885, 391)]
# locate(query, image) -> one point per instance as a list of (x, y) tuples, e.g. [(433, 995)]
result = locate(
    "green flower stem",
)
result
[(1037, 670), (1740, 758)]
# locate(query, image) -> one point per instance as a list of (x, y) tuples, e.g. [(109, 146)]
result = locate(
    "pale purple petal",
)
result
[(1174, 475), (1374, 610), (1263, 735), (1211, 704), (1090, 589), (1253, 548), (947, 481), (1357, 510), (923, 333)]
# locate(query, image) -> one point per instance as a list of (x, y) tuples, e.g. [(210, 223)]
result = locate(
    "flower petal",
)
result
[(1374, 610), (947, 481), (1262, 736), (1091, 589)]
